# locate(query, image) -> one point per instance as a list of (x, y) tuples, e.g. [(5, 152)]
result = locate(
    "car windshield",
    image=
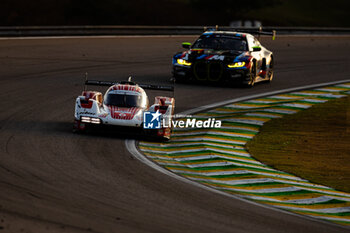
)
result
[(220, 42), (123, 100)]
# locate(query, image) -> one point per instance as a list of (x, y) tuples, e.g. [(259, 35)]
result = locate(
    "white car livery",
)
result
[(123, 104)]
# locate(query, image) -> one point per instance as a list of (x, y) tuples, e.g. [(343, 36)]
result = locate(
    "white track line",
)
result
[(226, 102), (131, 147)]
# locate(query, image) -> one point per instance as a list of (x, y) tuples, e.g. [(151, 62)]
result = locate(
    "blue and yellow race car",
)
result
[(224, 56)]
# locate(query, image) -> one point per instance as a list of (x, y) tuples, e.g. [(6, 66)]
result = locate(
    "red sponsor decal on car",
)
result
[(123, 113)]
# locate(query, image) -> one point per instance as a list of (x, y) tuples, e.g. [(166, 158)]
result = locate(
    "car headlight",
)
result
[(183, 62), (92, 120), (236, 65)]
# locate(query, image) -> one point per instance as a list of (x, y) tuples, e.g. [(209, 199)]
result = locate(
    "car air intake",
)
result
[(208, 70)]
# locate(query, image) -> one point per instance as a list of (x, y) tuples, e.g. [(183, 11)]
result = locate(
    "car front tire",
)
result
[(250, 81), (270, 71)]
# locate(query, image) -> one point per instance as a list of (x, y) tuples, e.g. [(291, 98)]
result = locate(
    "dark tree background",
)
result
[(173, 12)]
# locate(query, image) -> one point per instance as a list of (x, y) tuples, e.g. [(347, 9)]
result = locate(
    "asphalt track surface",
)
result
[(52, 180)]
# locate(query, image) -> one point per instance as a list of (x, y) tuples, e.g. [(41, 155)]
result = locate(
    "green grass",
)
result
[(313, 144)]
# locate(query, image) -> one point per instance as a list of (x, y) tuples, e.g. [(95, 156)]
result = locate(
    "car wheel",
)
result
[(164, 139), (252, 76), (270, 71)]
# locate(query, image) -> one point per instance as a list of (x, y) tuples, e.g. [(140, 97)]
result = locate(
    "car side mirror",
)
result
[(186, 45), (256, 48)]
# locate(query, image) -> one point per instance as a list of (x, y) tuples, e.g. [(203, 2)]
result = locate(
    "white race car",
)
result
[(124, 104)]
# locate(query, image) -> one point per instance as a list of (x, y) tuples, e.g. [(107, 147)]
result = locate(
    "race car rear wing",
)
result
[(259, 32), (157, 87), (254, 31), (144, 86)]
